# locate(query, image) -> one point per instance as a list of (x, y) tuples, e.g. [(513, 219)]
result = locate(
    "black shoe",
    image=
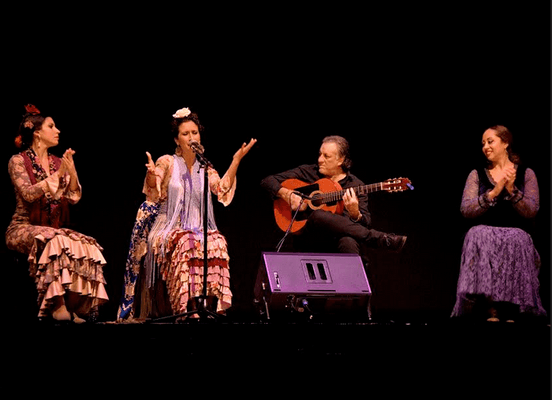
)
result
[(392, 242)]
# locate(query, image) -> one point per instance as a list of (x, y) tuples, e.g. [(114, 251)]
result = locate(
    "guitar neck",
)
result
[(363, 189)]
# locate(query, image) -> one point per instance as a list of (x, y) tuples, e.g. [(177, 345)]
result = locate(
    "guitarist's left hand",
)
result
[(350, 200)]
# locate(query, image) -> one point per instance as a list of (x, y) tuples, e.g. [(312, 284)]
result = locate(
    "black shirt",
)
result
[(309, 173)]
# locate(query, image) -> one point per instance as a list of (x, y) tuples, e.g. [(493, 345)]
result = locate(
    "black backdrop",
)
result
[(412, 88)]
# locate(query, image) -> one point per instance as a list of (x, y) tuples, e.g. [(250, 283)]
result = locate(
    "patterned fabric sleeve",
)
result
[(527, 203), (473, 205), (52, 186), (22, 183), (73, 196), (221, 187)]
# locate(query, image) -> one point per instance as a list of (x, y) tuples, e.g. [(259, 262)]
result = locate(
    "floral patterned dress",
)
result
[(168, 244), (60, 259)]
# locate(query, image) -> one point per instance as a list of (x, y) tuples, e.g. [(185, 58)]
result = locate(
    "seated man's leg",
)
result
[(340, 226), (347, 244)]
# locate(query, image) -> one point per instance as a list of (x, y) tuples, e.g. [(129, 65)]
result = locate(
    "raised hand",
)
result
[(230, 175), (244, 149), (150, 176), (150, 164)]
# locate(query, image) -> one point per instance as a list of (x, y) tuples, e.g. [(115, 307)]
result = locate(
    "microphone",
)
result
[(303, 196), (196, 147)]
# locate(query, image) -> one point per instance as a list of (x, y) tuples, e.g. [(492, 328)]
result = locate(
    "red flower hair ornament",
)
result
[(31, 109)]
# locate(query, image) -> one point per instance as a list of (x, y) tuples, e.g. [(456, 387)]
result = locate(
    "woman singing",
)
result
[(500, 265), (166, 250), (67, 266)]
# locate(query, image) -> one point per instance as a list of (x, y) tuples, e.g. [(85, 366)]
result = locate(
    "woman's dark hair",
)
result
[(343, 149), (176, 122), (32, 121), (506, 136)]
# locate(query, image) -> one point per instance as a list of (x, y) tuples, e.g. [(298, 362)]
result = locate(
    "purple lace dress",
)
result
[(499, 260)]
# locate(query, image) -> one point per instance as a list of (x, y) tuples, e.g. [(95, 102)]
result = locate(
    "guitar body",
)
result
[(284, 214)]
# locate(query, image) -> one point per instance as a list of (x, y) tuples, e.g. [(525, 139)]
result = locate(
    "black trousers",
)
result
[(327, 232)]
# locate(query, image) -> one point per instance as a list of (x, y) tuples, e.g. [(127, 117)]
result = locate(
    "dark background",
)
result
[(411, 87)]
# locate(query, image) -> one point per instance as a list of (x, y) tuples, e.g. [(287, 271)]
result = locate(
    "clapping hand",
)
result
[(506, 179), (510, 176), (67, 163)]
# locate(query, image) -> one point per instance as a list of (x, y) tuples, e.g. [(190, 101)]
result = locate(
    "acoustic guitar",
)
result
[(327, 195)]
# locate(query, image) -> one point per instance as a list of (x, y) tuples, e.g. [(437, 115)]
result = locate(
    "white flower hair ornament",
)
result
[(182, 113)]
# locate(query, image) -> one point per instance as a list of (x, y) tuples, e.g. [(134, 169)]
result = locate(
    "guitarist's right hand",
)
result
[(291, 198), (295, 202)]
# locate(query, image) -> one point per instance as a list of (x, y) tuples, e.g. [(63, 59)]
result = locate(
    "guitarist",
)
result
[(343, 233)]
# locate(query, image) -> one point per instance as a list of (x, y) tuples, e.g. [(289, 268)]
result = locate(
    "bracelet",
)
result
[(358, 219)]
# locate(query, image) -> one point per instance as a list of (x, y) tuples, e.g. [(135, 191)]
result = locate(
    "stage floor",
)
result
[(411, 357), (297, 339)]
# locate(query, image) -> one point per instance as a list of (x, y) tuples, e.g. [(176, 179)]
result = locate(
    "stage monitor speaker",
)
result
[(314, 284)]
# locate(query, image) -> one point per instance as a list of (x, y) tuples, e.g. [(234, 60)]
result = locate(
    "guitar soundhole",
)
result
[(317, 200)]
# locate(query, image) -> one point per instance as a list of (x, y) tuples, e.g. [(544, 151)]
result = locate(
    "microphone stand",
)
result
[(303, 198), (201, 301)]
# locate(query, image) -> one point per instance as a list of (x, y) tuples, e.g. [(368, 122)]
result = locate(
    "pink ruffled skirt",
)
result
[(182, 268), (68, 262)]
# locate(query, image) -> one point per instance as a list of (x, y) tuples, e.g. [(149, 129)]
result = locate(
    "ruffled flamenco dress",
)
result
[(60, 259), (164, 268)]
